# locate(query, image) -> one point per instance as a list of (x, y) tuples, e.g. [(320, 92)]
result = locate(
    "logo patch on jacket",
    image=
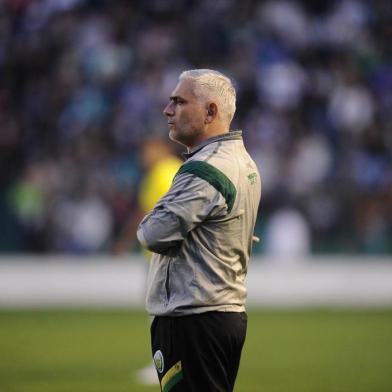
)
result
[(252, 178)]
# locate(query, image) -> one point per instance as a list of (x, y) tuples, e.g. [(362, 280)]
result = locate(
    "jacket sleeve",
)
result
[(190, 201)]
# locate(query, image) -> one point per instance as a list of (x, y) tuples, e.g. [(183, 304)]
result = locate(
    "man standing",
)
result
[(201, 235)]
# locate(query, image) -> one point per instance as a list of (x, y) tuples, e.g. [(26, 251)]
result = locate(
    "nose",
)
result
[(168, 111)]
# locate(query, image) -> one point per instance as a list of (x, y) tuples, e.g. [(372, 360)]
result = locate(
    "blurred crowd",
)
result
[(82, 83)]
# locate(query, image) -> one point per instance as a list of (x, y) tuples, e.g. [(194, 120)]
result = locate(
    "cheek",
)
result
[(184, 119), (192, 119)]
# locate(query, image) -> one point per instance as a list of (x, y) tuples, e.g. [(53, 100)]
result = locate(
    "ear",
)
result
[(212, 112)]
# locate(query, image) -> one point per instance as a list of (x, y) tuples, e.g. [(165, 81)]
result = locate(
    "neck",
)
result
[(213, 129), (203, 139)]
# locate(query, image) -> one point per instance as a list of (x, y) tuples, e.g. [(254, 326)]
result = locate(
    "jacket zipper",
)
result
[(167, 288)]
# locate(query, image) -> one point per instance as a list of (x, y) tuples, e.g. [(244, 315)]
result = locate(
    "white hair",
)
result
[(213, 85)]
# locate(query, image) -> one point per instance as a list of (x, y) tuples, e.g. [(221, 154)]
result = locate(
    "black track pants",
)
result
[(198, 352)]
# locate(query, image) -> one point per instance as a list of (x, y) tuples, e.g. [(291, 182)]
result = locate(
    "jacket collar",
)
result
[(231, 135)]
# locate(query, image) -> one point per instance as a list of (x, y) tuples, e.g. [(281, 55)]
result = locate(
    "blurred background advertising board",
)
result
[(58, 282)]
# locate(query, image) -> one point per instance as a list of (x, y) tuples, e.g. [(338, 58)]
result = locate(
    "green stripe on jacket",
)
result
[(214, 177)]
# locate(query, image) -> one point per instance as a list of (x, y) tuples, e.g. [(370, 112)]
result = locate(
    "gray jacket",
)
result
[(201, 231)]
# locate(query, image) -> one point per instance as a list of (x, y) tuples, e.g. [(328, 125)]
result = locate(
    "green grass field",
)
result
[(285, 351)]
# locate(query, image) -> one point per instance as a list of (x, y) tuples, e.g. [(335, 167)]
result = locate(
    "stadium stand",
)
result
[(83, 82)]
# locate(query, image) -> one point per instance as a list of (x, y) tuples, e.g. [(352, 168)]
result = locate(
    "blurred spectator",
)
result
[(84, 82), (160, 165), (288, 235), (28, 201), (82, 224)]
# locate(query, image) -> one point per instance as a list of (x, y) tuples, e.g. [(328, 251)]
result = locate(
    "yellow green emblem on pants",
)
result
[(172, 377)]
